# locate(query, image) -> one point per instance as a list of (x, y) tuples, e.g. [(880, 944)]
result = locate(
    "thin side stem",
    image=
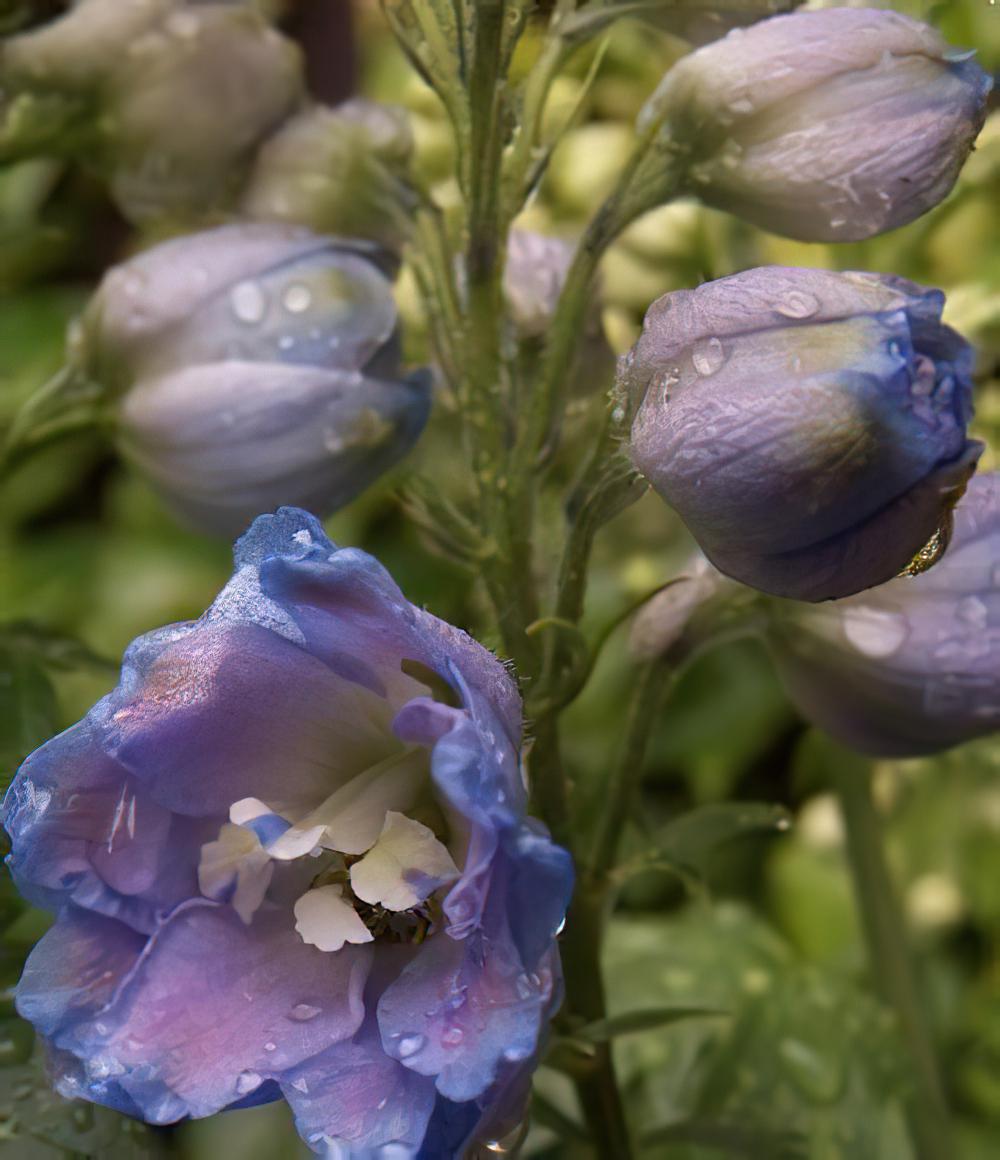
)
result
[(890, 963), (626, 776)]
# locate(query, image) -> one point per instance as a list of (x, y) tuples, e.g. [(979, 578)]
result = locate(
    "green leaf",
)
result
[(731, 1139), (643, 1019), (28, 711), (688, 843)]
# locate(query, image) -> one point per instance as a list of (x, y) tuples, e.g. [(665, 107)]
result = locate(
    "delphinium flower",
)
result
[(809, 427), (913, 666), (253, 365), (289, 857), (827, 125)]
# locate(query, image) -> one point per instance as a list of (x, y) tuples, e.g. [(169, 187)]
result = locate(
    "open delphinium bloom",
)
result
[(289, 857)]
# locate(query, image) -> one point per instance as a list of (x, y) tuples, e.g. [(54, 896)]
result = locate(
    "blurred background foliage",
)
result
[(744, 933)]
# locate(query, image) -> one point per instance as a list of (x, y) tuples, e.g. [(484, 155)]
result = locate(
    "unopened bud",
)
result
[(830, 125)]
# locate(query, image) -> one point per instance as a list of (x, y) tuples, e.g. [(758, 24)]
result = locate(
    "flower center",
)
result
[(376, 870)]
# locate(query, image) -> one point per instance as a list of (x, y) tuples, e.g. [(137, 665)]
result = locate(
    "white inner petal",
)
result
[(235, 859), (247, 810), (405, 866), (353, 816), (326, 921)]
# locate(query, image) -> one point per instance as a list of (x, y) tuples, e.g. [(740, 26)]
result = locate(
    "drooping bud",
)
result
[(912, 667), (809, 427), (338, 171), (534, 277), (167, 99), (830, 125), (251, 366)]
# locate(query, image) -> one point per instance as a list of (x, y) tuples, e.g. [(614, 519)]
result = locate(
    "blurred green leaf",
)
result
[(688, 843), (28, 710), (650, 1019)]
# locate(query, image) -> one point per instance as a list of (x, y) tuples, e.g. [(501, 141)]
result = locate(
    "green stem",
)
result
[(595, 1080), (890, 964), (626, 775)]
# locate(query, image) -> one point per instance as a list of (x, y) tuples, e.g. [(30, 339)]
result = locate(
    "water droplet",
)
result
[(665, 382), (875, 632), (297, 298), (249, 302), (973, 612), (247, 1082), (708, 356), (453, 1037), (270, 1046), (741, 105), (303, 1012), (797, 304), (183, 25), (527, 986), (301, 1085), (410, 1045)]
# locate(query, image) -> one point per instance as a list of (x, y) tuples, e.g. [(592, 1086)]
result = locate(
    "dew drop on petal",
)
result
[(249, 303), (453, 1037), (797, 304), (303, 1012), (410, 1045), (247, 1082), (973, 612), (708, 356), (297, 298), (874, 632)]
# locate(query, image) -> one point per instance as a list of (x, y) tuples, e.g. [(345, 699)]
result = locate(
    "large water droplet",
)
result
[(249, 302), (453, 1037), (247, 1082), (875, 632), (797, 304), (708, 356), (410, 1045), (303, 1012), (297, 298)]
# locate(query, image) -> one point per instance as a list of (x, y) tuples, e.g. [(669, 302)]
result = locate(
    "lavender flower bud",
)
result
[(338, 171), (253, 365), (167, 99), (911, 667), (534, 277), (831, 125), (808, 426)]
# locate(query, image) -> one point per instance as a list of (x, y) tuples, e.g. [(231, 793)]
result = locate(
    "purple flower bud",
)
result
[(289, 857), (911, 667), (831, 125), (809, 427), (253, 365), (173, 98), (338, 171)]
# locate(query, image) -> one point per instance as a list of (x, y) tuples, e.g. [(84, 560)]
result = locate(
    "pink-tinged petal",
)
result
[(212, 1009), (234, 711), (355, 1098), (75, 969)]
